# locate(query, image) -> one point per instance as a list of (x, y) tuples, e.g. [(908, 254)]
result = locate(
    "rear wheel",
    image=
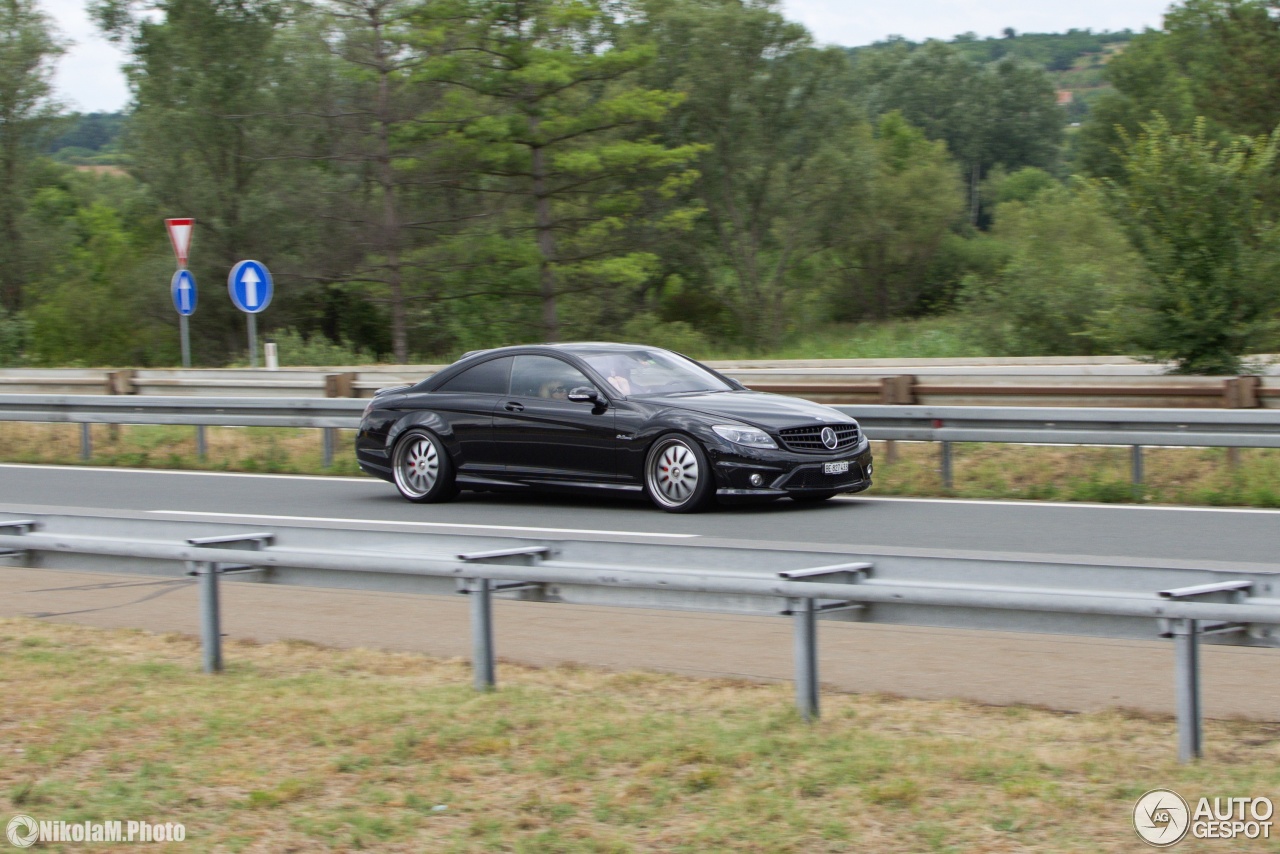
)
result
[(422, 469), (677, 476)]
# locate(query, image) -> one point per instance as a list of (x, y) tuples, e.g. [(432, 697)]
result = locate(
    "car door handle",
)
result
[(514, 407)]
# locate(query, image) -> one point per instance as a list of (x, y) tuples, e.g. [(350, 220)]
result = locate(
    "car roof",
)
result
[(568, 347)]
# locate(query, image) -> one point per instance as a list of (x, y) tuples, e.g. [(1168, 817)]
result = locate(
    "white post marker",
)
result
[(250, 287)]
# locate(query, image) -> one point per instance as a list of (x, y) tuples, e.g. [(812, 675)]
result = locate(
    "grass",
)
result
[(1196, 476), (281, 450), (1192, 476), (924, 338), (300, 748)]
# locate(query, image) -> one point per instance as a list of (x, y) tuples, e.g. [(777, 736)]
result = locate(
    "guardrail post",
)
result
[(805, 614), (1135, 466), (202, 446), (1240, 392), (327, 442), (86, 441), (480, 590), (1187, 652), (946, 464), (336, 385), (210, 618)]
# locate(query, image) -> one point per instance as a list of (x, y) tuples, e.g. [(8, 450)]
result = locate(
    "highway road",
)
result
[(1059, 672), (1173, 533)]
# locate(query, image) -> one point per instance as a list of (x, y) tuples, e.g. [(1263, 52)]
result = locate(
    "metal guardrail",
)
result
[(1100, 381), (1190, 604), (1135, 428), (326, 414)]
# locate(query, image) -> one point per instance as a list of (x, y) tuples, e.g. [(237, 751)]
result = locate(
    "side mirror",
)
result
[(585, 394), (737, 386)]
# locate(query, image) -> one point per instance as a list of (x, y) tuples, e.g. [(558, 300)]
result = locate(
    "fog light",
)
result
[(756, 480), (868, 469)]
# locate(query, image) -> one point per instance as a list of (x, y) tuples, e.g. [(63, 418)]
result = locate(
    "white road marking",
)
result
[(272, 518), (1013, 502), (859, 497)]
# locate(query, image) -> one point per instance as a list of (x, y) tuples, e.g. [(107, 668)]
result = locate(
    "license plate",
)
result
[(841, 467)]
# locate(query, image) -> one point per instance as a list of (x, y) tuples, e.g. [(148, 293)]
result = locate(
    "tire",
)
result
[(422, 469), (813, 497), (677, 476)]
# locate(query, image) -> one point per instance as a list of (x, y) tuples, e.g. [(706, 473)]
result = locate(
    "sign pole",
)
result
[(182, 287), (249, 285), (186, 340), (253, 340)]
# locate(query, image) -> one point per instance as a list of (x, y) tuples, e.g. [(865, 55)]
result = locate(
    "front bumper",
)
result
[(779, 473)]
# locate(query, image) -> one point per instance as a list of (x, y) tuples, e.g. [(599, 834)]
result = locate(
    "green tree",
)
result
[(1069, 268), (888, 223), (28, 51), (768, 107), (92, 310), (1193, 209), (204, 137), (1001, 114), (361, 102), (547, 109), (1214, 58), (1229, 50)]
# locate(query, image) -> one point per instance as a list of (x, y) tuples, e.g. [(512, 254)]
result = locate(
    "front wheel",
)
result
[(677, 476), (422, 469)]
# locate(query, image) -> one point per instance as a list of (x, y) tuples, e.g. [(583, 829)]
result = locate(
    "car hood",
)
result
[(771, 411)]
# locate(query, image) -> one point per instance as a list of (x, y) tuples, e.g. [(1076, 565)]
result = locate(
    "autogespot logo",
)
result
[(1161, 817), (22, 831)]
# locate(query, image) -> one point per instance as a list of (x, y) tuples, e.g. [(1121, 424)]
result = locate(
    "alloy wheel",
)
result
[(417, 466), (674, 474)]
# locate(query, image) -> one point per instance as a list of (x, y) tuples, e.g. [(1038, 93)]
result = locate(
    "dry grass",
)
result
[(251, 449), (1201, 476), (300, 748)]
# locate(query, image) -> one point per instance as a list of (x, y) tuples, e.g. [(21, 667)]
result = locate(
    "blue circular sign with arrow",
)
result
[(183, 289), (250, 286)]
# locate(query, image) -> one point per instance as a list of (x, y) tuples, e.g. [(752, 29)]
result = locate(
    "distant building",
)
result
[(1065, 96)]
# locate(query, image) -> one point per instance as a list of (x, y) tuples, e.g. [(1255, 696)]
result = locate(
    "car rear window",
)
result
[(491, 377)]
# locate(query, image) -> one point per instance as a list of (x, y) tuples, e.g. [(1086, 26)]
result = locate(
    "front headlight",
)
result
[(748, 436)]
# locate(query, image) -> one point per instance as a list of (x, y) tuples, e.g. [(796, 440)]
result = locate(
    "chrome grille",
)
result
[(810, 438)]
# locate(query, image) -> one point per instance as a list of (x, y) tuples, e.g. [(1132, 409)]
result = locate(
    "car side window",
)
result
[(545, 377), (489, 377)]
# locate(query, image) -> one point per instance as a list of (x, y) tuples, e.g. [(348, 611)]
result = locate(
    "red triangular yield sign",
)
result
[(180, 236)]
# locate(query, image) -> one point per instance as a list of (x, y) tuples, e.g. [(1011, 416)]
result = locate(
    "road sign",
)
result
[(250, 286), (183, 290), (180, 236)]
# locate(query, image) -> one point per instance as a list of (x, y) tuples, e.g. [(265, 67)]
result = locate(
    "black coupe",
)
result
[(616, 418)]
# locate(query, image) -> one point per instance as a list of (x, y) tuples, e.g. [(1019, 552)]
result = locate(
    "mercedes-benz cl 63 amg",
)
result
[(607, 418)]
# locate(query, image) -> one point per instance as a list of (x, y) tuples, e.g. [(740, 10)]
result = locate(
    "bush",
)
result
[(672, 335), (15, 333), (1069, 267), (296, 350)]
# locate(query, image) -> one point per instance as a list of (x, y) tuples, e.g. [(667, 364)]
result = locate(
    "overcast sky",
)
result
[(89, 77)]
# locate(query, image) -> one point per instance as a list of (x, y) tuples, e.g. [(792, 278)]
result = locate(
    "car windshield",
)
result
[(652, 372)]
